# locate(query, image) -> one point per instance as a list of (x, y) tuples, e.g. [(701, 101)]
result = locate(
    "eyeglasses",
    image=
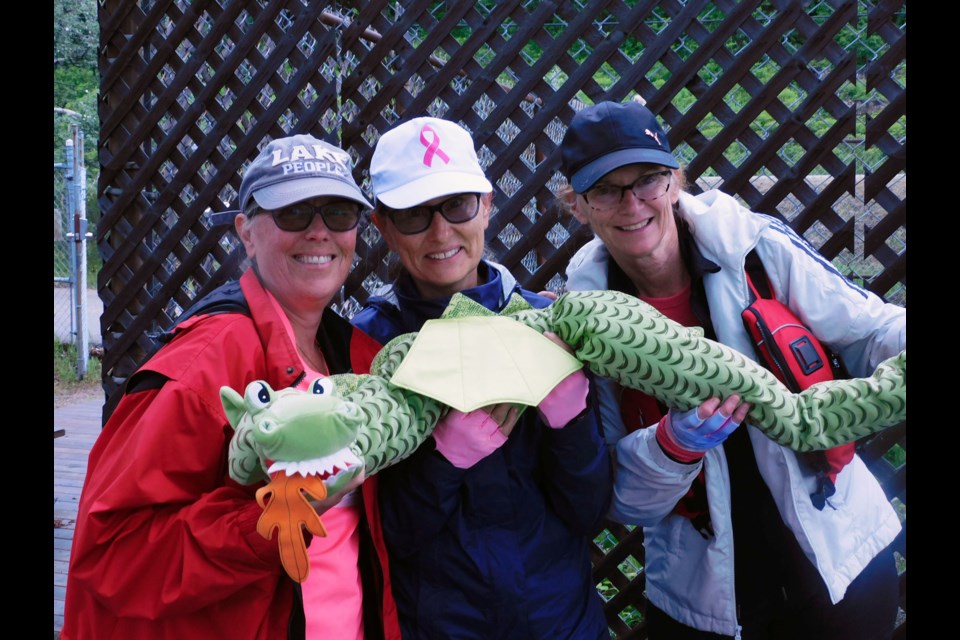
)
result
[(455, 210), (337, 216), (645, 188)]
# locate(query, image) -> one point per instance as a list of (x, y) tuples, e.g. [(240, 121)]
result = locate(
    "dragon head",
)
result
[(305, 433)]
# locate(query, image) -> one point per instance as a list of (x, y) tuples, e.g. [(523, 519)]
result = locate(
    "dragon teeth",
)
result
[(324, 466)]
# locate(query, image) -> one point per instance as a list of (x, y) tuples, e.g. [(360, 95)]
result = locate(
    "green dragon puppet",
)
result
[(315, 442)]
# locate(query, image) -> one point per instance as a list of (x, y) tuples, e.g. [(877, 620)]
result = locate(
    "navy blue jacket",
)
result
[(500, 550)]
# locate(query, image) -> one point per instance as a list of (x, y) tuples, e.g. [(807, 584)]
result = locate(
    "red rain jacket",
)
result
[(166, 543)]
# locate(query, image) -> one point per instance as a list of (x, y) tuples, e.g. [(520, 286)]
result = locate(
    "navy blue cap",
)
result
[(609, 135)]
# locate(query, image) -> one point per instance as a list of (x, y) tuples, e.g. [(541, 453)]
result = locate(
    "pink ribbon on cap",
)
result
[(433, 146)]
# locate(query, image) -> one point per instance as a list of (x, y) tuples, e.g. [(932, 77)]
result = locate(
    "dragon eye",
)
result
[(258, 394), (322, 387)]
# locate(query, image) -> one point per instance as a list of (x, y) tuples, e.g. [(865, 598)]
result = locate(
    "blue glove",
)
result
[(685, 436)]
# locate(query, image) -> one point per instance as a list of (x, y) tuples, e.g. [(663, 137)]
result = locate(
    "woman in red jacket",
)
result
[(166, 543)]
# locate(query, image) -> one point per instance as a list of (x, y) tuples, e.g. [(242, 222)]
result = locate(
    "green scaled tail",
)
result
[(621, 337), (396, 422)]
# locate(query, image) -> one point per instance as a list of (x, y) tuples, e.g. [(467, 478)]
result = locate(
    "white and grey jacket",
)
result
[(687, 576)]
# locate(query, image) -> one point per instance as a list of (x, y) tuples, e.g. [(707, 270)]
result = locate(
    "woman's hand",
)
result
[(568, 399), (465, 439), (687, 435), (504, 414)]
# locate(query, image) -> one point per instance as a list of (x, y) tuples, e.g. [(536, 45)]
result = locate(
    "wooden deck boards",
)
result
[(80, 422)]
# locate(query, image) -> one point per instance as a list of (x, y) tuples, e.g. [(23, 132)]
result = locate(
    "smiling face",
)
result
[(635, 230), (303, 270), (443, 259)]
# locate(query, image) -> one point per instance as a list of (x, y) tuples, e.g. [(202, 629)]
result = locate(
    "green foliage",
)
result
[(65, 376), (71, 84), (852, 37), (76, 81), (896, 455), (64, 362), (630, 568), (75, 33)]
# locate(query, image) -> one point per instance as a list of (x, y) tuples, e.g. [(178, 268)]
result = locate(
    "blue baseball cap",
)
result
[(609, 135)]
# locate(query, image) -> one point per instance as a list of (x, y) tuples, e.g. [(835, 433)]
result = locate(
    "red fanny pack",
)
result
[(786, 347)]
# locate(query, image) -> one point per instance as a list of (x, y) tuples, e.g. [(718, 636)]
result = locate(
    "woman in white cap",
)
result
[(166, 545), (741, 536), (488, 523)]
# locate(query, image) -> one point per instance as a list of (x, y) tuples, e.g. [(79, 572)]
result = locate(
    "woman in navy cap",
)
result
[(735, 544), (488, 523), (166, 544)]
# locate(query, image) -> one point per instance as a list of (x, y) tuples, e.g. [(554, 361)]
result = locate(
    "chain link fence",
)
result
[(70, 319)]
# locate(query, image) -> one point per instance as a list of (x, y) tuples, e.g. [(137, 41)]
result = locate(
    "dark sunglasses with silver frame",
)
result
[(457, 209)]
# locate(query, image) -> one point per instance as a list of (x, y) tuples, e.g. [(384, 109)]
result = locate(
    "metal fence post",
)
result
[(70, 206), (77, 206)]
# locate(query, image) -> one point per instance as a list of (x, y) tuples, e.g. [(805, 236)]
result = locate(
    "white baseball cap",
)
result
[(423, 159)]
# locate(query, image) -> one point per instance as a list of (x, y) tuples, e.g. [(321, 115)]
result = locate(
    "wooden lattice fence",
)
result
[(797, 108)]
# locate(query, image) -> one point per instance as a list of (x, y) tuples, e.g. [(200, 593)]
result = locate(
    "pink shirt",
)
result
[(332, 593)]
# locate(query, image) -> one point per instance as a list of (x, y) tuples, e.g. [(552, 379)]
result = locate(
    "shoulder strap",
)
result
[(757, 278), (828, 463), (227, 298)]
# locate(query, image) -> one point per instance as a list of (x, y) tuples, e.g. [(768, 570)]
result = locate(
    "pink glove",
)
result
[(567, 400), (467, 438)]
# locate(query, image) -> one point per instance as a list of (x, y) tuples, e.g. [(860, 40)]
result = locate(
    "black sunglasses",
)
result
[(455, 210), (337, 216)]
